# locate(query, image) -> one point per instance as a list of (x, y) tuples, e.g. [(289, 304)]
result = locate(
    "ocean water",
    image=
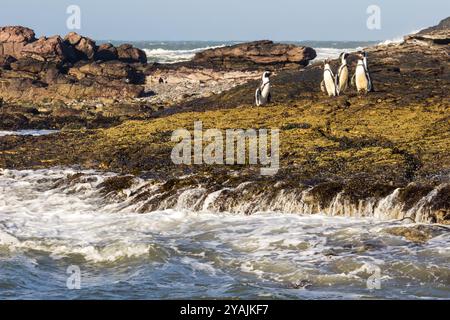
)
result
[(178, 51), (52, 225)]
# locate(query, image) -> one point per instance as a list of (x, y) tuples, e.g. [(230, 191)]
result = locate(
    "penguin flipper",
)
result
[(371, 89), (269, 98), (258, 97), (322, 86), (353, 81)]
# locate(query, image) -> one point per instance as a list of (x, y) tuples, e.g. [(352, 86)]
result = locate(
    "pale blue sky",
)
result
[(226, 19)]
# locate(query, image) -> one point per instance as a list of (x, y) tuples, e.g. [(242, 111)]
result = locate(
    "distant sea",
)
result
[(178, 51)]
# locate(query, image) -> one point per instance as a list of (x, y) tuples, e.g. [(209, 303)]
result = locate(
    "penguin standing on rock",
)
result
[(364, 54), (362, 78), (328, 84), (342, 77), (262, 94)]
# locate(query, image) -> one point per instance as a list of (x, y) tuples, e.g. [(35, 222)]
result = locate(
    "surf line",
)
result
[(235, 143)]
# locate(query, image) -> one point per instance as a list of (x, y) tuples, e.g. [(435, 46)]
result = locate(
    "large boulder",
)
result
[(106, 52), (128, 53), (85, 48), (109, 69), (13, 39), (16, 34), (49, 49), (256, 55)]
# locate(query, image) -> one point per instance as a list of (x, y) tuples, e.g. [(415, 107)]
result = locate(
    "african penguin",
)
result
[(362, 77), (342, 76), (364, 54), (262, 94), (328, 84)]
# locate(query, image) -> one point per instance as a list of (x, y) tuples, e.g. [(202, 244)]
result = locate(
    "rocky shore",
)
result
[(71, 82), (386, 154)]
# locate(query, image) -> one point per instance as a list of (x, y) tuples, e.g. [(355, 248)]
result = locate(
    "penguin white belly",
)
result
[(343, 79), (262, 96), (362, 83), (329, 84), (265, 93)]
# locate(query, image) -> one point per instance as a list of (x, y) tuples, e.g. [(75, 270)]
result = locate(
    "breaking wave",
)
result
[(161, 55), (27, 132)]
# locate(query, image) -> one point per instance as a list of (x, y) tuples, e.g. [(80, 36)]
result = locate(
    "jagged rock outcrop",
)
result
[(106, 52), (49, 49), (257, 55), (51, 68), (13, 39), (85, 48)]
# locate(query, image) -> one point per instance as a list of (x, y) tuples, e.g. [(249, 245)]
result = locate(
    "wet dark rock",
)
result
[(413, 193), (325, 192), (116, 184), (302, 284)]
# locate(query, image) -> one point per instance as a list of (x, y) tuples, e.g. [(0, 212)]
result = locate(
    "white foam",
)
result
[(38, 212), (332, 53), (27, 132), (397, 40), (173, 56), (7, 239)]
